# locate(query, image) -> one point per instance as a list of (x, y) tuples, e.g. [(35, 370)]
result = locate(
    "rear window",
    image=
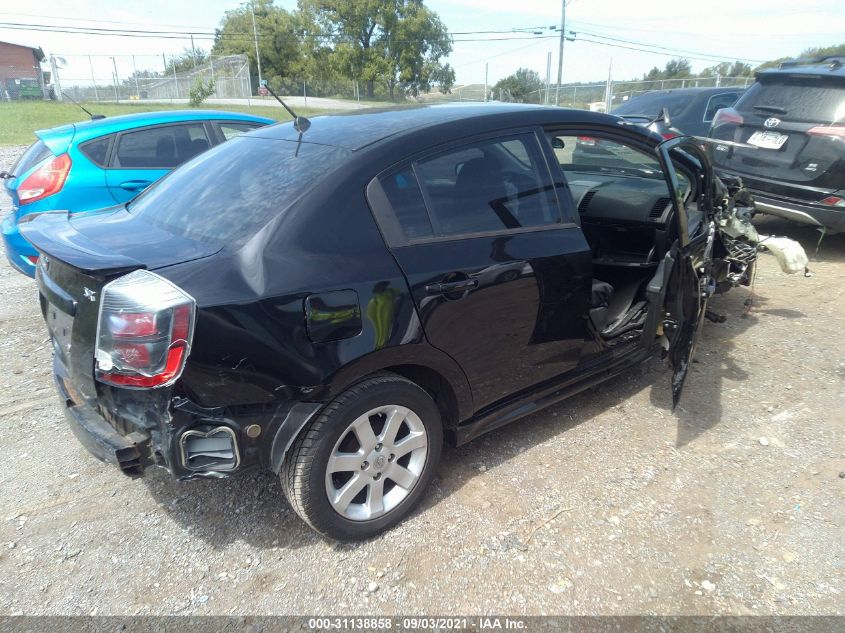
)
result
[(34, 154), (652, 103), (226, 194), (800, 98)]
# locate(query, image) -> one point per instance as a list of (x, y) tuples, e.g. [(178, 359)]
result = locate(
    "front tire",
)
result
[(366, 460)]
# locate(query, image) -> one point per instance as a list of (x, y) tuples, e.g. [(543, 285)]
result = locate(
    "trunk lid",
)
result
[(109, 241)]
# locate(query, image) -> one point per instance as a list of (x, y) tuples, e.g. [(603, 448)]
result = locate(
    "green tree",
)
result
[(398, 43), (280, 40), (524, 85), (677, 68), (187, 60)]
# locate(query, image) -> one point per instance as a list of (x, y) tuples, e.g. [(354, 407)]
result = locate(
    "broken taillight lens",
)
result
[(47, 179), (144, 331)]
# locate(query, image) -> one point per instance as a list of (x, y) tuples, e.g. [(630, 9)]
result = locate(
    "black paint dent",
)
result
[(332, 316)]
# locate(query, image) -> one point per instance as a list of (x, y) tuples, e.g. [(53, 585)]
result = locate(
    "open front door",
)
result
[(688, 281)]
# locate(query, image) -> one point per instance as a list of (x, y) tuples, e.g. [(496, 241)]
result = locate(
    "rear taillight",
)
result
[(668, 135), (144, 331), (833, 131), (48, 178), (589, 141), (727, 115), (834, 201)]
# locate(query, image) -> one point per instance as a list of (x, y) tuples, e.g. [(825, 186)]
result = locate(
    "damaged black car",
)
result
[(332, 302)]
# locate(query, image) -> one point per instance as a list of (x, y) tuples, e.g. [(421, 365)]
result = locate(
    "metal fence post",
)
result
[(176, 81)]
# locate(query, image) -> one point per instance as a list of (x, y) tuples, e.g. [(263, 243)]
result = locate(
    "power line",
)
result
[(223, 35), (665, 48), (73, 19)]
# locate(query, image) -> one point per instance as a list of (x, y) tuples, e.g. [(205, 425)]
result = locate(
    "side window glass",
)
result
[(231, 130), (490, 185), (718, 102), (160, 147), (405, 198), (97, 150)]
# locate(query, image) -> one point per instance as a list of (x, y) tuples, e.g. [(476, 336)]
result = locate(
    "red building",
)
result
[(20, 72)]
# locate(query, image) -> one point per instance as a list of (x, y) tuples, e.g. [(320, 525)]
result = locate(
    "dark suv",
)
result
[(791, 124), (329, 305)]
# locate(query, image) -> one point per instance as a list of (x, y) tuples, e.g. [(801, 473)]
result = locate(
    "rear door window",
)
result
[(490, 185), (407, 202), (162, 147), (796, 99)]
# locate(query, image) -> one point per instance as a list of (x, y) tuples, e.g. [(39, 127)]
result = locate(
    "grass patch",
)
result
[(20, 119)]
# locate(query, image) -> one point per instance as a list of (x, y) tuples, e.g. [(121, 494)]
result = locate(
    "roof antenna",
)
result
[(300, 123), (94, 117)]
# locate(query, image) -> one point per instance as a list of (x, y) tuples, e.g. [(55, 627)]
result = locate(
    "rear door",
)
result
[(684, 281), (499, 272), (142, 156)]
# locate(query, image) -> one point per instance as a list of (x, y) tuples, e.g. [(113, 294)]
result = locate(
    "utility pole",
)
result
[(54, 66), (608, 91), (135, 72), (548, 77), (116, 92), (560, 51), (93, 80), (194, 50), (255, 39), (486, 68)]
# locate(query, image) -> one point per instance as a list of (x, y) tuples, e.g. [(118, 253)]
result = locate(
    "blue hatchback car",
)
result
[(107, 161)]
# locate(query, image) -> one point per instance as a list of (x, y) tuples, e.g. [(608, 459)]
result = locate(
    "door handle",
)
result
[(451, 286), (135, 185)]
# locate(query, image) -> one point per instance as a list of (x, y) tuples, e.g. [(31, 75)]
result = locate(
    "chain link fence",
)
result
[(147, 77)]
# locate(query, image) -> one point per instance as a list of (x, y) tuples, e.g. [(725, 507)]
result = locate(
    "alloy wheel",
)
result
[(376, 462)]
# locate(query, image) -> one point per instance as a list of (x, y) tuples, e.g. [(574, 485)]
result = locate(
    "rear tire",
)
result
[(366, 460)]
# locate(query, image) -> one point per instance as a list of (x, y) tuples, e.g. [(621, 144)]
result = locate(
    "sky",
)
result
[(713, 30)]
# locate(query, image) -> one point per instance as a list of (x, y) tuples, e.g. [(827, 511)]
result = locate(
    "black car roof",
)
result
[(356, 129)]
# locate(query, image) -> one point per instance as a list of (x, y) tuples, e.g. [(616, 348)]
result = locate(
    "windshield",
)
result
[(228, 193), (652, 103)]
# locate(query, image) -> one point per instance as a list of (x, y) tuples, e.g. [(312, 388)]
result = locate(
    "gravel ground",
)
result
[(608, 503)]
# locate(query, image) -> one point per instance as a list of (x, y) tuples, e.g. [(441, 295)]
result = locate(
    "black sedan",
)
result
[(691, 110), (330, 301)]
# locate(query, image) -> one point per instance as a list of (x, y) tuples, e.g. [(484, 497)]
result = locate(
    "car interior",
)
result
[(625, 211)]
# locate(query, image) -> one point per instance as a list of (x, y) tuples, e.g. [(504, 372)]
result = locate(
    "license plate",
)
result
[(767, 139)]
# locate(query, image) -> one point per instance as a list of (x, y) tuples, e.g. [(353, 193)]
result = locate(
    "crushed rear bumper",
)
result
[(131, 453)]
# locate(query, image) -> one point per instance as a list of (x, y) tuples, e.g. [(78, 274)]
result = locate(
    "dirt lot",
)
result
[(606, 504)]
